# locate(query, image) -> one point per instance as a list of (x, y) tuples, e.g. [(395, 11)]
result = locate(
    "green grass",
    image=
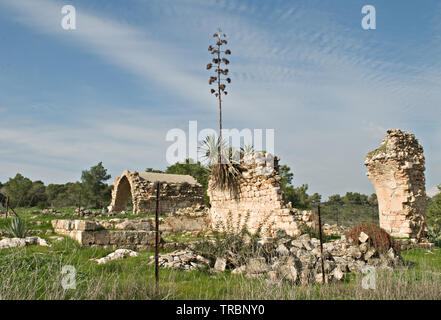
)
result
[(34, 272)]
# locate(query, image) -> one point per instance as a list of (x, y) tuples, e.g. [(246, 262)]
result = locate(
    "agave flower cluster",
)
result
[(218, 64)]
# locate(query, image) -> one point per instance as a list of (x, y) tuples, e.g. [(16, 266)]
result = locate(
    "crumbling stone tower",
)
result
[(396, 169)]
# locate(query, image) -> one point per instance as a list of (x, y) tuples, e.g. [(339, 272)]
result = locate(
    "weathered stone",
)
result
[(118, 254), (111, 239), (257, 204), (220, 265), (396, 170), (282, 250), (176, 192), (338, 274), (289, 273), (370, 253), (239, 270), (257, 265), (363, 247), (363, 237), (12, 243)]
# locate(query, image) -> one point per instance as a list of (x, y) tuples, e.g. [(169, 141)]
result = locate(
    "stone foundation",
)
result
[(258, 203), (396, 170), (92, 234), (134, 234)]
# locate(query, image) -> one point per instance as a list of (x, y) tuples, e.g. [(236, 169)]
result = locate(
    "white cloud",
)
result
[(329, 94)]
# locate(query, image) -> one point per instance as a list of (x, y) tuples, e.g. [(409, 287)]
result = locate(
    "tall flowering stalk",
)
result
[(224, 174), (219, 80)]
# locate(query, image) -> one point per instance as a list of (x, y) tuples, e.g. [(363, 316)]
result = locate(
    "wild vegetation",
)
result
[(35, 272)]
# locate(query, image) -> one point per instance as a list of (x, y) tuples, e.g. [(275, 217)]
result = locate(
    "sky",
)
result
[(132, 70)]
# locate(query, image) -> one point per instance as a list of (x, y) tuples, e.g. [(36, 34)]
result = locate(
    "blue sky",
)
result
[(110, 90)]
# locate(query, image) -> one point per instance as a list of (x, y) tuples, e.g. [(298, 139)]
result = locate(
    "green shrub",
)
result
[(378, 237), (241, 246)]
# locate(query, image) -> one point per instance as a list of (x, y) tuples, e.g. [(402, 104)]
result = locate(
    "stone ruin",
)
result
[(176, 192), (258, 203), (396, 170)]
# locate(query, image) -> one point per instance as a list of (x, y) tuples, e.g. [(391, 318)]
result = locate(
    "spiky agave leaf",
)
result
[(18, 228)]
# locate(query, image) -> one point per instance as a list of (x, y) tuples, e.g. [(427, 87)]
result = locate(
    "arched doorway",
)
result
[(123, 195)]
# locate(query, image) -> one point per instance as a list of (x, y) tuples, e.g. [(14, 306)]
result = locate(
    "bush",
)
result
[(378, 237), (239, 246), (18, 228)]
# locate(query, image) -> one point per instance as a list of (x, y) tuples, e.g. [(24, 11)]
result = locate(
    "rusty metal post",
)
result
[(158, 184), (7, 206), (321, 244), (79, 205)]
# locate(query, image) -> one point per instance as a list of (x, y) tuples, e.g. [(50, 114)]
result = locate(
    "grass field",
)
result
[(35, 272)]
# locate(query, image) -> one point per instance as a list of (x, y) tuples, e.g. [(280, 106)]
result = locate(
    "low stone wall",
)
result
[(92, 234), (134, 234)]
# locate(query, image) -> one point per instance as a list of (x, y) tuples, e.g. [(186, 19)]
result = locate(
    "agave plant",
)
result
[(434, 234), (225, 174), (18, 228)]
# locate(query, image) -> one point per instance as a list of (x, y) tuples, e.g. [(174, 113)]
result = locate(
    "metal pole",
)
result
[(158, 184), (79, 205), (7, 206), (321, 244)]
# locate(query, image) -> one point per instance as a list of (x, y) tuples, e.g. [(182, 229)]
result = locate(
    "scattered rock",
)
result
[(22, 242), (220, 265), (12, 243), (118, 254), (363, 237)]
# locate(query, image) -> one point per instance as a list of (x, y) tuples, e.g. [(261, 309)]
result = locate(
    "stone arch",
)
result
[(121, 195)]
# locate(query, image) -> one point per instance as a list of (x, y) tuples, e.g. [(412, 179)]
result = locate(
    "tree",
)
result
[(434, 210), (286, 176), (153, 170), (298, 197), (37, 195), (18, 189), (95, 192), (335, 199)]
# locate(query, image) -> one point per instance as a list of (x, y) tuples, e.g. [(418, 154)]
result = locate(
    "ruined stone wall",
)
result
[(258, 204), (173, 195), (134, 234), (396, 170), (92, 234)]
